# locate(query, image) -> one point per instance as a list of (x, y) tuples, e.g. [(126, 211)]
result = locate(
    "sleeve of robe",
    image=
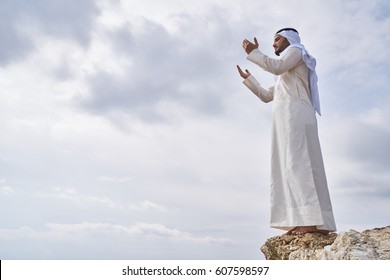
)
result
[(264, 95), (289, 60)]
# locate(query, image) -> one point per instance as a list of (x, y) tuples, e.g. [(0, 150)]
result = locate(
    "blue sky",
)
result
[(127, 132)]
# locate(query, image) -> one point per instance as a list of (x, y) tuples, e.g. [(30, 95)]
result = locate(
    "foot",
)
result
[(290, 232), (307, 229)]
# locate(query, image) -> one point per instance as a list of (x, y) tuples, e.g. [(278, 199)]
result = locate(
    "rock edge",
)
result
[(371, 244)]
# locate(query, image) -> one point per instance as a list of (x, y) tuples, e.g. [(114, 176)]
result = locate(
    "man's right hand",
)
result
[(243, 74)]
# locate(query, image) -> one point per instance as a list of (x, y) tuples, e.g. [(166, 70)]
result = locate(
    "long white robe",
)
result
[(299, 190)]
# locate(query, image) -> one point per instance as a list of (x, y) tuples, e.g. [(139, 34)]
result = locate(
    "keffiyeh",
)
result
[(295, 41)]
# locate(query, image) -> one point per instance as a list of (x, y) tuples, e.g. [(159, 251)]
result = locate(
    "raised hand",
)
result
[(243, 74), (249, 46)]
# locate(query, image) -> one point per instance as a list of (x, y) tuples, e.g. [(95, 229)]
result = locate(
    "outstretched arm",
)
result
[(290, 60), (254, 86)]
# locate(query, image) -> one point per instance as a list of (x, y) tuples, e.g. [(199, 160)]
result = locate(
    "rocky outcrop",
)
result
[(373, 244)]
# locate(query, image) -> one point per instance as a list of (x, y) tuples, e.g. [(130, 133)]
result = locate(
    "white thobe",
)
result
[(299, 191)]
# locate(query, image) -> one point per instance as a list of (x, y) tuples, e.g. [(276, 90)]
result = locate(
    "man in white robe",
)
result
[(300, 201)]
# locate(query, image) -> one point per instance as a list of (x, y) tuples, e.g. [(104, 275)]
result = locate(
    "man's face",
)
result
[(280, 44)]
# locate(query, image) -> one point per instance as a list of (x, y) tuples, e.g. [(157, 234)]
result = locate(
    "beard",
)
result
[(281, 48)]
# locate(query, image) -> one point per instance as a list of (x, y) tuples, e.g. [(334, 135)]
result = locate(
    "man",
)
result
[(300, 201)]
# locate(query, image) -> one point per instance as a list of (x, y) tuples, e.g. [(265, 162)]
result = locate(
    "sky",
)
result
[(126, 131)]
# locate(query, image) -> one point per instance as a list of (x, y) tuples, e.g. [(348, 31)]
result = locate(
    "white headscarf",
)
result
[(295, 41)]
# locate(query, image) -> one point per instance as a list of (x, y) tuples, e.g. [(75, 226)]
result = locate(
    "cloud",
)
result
[(15, 45), (114, 179), (159, 67), (147, 205), (21, 20), (71, 194), (87, 229), (18, 233), (7, 190), (356, 161), (364, 138)]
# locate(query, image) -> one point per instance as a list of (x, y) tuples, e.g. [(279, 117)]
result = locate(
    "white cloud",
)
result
[(146, 205), (86, 230), (18, 233), (114, 179), (7, 190), (71, 194)]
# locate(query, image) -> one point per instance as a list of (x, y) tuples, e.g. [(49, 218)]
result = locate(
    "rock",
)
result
[(373, 244), (280, 247)]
